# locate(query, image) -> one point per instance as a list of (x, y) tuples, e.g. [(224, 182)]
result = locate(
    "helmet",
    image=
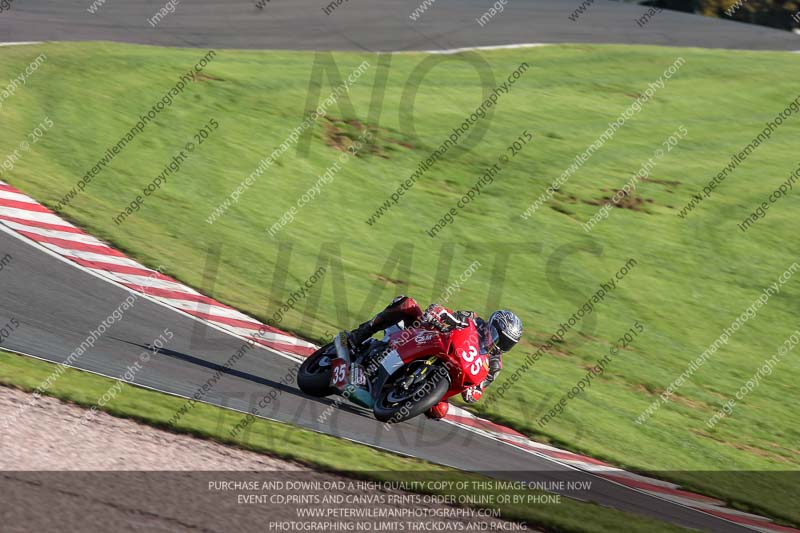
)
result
[(506, 329)]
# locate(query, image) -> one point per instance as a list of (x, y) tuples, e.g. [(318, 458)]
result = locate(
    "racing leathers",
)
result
[(405, 310)]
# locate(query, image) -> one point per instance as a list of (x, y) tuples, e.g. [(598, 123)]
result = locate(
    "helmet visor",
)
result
[(501, 341)]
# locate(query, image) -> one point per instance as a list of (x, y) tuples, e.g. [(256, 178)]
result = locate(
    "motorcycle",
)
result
[(401, 376)]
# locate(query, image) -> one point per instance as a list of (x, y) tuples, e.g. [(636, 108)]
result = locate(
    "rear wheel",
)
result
[(411, 391), (314, 374)]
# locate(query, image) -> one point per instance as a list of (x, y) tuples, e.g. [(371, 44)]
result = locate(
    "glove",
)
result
[(472, 394), (442, 319), (463, 316)]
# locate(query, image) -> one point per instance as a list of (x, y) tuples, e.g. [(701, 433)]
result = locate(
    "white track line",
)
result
[(97, 274), (480, 48), (76, 237), (21, 43), (154, 389), (578, 468)]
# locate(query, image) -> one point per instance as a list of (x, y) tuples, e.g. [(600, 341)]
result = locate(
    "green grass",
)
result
[(693, 276), (309, 448)]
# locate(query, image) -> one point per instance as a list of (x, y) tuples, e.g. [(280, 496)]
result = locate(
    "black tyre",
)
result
[(314, 374), (411, 391)]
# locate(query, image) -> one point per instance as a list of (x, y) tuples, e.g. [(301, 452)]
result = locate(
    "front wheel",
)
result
[(411, 391), (314, 374)]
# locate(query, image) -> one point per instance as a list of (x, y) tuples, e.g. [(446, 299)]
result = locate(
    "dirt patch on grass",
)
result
[(743, 447), (626, 200), (342, 135), (561, 210), (758, 451), (200, 76), (669, 185), (647, 390), (387, 279), (560, 202), (662, 182), (694, 404)]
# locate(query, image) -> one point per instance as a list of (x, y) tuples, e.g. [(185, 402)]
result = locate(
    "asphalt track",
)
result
[(375, 25), (57, 304)]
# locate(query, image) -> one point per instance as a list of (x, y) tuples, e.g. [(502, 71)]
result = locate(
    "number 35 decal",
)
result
[(339, 374), (339, 371), (472, 357)]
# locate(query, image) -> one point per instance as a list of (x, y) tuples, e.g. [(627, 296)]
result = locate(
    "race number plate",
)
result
[(338, 373)]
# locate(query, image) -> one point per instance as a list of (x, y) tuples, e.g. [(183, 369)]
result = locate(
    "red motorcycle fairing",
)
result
[(459, 349)]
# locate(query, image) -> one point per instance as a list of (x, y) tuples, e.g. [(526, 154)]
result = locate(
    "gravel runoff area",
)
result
[(117, 474)]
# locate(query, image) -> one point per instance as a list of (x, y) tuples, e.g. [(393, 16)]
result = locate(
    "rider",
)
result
[(497, 335)]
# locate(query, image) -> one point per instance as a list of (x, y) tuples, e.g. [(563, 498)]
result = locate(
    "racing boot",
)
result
[(402, 308), (438, 411), (392, 314), (363, 332)]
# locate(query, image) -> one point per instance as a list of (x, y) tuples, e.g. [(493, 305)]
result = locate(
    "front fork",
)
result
[(418, 374)]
